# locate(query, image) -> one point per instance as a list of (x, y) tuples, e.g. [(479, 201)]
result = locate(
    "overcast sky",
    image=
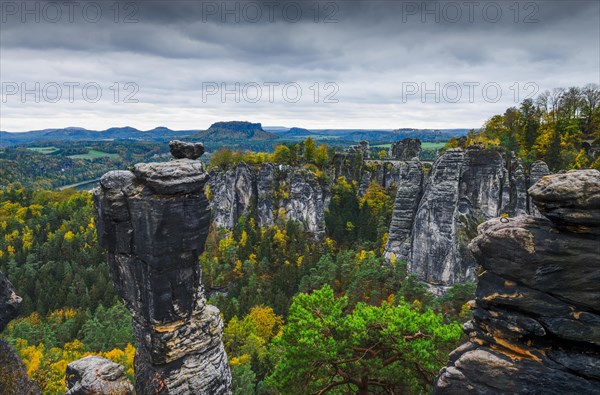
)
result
[(313, 64)]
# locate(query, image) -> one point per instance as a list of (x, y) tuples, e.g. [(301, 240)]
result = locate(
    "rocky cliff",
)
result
[(268, 191), (436, 213), (536, 324), (153, 222), (463, 189), (408, 196), (13, 375)]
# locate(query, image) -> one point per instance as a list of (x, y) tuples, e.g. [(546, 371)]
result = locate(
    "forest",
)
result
[(262, 279), (560, 127)]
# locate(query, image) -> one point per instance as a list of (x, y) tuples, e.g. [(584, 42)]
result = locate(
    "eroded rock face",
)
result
[(537, 170), (13, 375), (434, 249), (570, 200), (306, 203), (405, 149), (464, 189), (97, 376), (536, 325), (363, 148), (410, 189), (267, 190), (153, 223)]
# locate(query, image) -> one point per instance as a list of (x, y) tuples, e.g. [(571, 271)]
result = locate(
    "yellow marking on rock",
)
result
[(171, 327), (496, 295), (516, 351)]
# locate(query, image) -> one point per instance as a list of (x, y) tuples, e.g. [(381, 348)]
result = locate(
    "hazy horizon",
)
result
[(318, 64)]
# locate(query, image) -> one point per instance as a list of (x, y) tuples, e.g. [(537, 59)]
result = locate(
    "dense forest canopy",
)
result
[(560, 127), (51, 254)]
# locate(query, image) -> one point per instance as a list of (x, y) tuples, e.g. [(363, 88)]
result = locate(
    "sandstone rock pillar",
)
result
[(153, 222)]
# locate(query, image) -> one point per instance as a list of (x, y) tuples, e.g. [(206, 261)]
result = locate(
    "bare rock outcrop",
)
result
[(13, 375), (463, 189), (266, 191), (410, 189), (536, 325), (94, 375), (362, 148), (185, 150), (434, 254), (405, 149), (537, 170), (153, 222), (10, 302)]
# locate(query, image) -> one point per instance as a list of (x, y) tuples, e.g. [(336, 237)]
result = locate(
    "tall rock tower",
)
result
[(153, 222)]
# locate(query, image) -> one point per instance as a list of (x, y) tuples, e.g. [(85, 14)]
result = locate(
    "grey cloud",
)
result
[(175, 48)]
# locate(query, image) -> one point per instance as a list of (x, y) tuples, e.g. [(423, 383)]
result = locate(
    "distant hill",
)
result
[(238, 132), (235, 130), (294, 132), (276, 129), (374, 135), (80, 134)]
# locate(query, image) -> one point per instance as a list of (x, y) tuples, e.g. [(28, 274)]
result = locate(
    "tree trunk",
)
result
[(363, 388)]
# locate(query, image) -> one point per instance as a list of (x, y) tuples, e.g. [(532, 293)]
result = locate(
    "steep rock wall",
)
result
[(153, 222), (410, 189), (462, 190), (266, 191), (536, 325)]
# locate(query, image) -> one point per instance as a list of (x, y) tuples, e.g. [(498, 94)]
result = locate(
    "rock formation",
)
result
[(153, 222), (13, 375), (266, 191), (362, 148), (435, 214), (10, 302), (408, 196), (182, 149), (536, 325), (537, 170), (94, 375), (405, 149), (463, 189), (233, 194)]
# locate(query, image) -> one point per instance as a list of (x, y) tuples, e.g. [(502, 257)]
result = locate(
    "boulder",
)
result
[(571, 200), (185, 150), (94, 375)]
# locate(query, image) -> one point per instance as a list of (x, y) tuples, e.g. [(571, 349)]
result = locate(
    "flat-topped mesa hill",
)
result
[(235, 130), (153, 222), (536, 325)]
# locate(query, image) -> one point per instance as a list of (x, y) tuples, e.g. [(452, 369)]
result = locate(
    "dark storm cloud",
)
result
[(370, 49)]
